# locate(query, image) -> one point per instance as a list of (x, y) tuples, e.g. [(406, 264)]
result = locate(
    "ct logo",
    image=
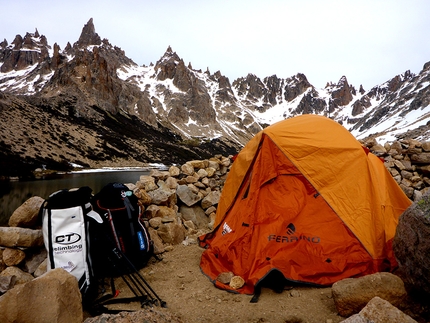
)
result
[(68, 238)]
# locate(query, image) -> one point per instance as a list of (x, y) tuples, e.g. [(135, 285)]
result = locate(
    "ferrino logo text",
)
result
[(67, 238), (292, 237)]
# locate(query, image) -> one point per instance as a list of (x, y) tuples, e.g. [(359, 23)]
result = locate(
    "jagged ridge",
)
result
[(96, 82)]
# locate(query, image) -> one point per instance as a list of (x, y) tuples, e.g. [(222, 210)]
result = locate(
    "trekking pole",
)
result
[(131, 266), (139, 295), (133, 280)]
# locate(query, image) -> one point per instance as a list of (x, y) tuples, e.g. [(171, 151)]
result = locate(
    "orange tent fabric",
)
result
[(305, 198)]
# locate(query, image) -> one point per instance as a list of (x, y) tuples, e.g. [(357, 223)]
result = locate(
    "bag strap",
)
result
[(129, 207), (50, 245)]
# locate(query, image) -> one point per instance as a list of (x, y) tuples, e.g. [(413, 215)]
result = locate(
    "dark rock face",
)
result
[(27, 51), (88, 35), (195, 101), (360, 106), (274, 85), (296, 86), (412, 244), (342, 94), (310, 103)]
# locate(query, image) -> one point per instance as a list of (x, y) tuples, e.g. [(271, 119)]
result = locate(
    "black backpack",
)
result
[(122, 228), (66, 218), (93, 247)]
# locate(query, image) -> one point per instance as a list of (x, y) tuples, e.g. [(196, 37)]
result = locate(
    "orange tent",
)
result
[(304, 197)]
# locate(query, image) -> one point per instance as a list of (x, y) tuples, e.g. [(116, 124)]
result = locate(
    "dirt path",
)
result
[(177, 279)]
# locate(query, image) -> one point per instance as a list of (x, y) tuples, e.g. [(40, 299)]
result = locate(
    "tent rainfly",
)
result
[(304, 198)]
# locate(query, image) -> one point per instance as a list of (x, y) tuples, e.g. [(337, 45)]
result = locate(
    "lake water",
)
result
[(15, 193)]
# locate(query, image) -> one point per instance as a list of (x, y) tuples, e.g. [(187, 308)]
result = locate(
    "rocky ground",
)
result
[(191, 297), (189, 293)]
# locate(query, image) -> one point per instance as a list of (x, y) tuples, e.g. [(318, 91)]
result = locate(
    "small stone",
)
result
[(294, 293), (237, 282), (225, 277)]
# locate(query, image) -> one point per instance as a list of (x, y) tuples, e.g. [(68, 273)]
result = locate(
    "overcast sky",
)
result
[(368, 41)]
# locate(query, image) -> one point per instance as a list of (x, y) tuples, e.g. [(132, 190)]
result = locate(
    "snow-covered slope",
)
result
[(203, 106)]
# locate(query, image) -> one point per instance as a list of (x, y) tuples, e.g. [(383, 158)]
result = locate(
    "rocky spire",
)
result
[(88, 35), (342, 95)]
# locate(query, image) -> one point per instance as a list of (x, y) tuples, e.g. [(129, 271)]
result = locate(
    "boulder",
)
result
[(13, 257), (41, 269), (214, 163), (2, 264), (202, 173), (423, 158), (210, 171), (172, 232), (411, 244), (211, 199), (191, 179), (6, 283), (171, 183), (162, 196), (21, 276), (151, 211), (143, 196), (156, 241), (379, 310), (186, 195), (187, 169), (34, 260), (210, 182), (166, 212), (155, 222), (25, 216), (53, 297), (195, 214), (20, 237), (174, 171), (147, 183), (351, 295), (199, 164), (159, 174)]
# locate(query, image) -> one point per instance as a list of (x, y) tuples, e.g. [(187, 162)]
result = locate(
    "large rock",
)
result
[(13, 257), (211, 199), (21, 276), (53, 297), (157, 243), (33, 260), (195, 214), (187, 169), (20, 237), (2, 264), (147, 183), (351, 295), (163, 196), (412, 244), (41, 269), (379, 310), (26, 215), (6, 283), (187, 196), (172, 232)]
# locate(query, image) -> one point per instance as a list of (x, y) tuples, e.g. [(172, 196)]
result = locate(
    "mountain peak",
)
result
[(88, 36), (169, 56)]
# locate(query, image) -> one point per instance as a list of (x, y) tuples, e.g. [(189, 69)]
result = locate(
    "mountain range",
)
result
[(90, 105)]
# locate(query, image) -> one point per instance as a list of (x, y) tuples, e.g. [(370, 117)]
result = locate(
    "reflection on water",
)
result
[(13, 194)]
